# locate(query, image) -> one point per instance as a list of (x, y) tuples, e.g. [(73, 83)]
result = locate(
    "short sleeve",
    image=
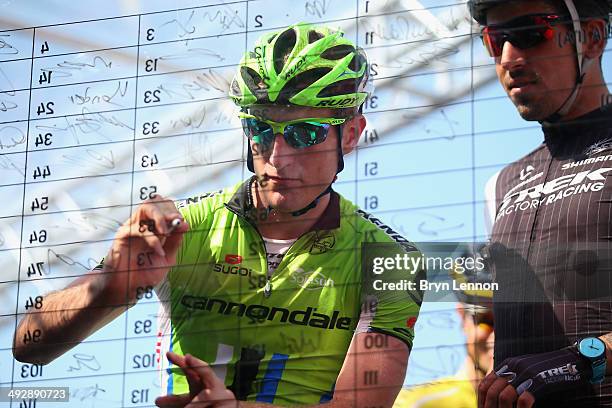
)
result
[(391, 298)]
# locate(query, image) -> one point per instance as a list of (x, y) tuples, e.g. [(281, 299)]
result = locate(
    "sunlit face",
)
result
[(291, 178), (539, 79)]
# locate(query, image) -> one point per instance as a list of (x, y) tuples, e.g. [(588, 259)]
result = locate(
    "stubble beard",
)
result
[(529, 109)]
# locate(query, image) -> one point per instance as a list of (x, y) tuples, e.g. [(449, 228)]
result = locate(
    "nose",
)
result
[(281, 154), (512, 57)]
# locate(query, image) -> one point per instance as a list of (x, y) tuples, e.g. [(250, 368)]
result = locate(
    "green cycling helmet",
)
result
[(303, 65)]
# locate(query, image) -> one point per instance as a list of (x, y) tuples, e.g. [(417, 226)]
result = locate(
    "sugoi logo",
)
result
[(231, 266), (233, 259), (311, 280)]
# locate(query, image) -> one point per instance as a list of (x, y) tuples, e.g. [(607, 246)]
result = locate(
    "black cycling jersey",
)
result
[(551, 247)]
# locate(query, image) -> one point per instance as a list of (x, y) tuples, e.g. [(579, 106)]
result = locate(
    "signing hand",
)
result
[(205, 388)]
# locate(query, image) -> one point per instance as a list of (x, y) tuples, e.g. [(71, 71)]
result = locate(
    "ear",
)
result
[(351, 132), (595, 43)]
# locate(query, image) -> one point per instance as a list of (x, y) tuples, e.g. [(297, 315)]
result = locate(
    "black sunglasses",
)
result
[(523, 32)]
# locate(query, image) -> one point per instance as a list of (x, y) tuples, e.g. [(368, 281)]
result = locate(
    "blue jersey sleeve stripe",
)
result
[(272, 378), (170, 385), (326, 397)]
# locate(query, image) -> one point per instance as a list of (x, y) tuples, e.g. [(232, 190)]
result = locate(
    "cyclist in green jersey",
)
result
[(267, 281)]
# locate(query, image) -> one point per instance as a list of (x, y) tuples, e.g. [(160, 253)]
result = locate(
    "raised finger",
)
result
[(207, 375), (173, 401), (492, 397), (176, 359), (525, 400), (153, 212), (193, 379), (154, 242), (507, 397), (483, 388)]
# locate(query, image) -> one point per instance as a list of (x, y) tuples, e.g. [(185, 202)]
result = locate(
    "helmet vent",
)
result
[(344, 87), (282, 48), (314, 36), (251, 78), (301, 82), (337, 52), (235, 88)]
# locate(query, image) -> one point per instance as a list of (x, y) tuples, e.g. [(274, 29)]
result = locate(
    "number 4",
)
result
[(44, 48)]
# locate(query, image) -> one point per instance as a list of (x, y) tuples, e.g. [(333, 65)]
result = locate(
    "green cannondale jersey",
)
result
[(283, 344)]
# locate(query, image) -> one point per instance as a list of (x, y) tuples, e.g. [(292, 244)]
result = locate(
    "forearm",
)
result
[(607, 338), (65, 319)]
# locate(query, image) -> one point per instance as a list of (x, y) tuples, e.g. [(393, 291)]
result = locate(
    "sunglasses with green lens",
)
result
[(299, 133)]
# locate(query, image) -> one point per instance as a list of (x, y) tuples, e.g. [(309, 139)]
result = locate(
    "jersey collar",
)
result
[(242, 205)]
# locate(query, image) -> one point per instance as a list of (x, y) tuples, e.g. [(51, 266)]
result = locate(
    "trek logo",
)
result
[(566, 370), (526, 172), (307, 317), (233, 259), (553, 190)]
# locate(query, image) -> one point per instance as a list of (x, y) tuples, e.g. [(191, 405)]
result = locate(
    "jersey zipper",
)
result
[(268, 286), (262, 245)]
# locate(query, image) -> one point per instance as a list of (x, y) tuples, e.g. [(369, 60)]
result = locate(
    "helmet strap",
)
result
[(328, 190), (583, 64), (250, 158)]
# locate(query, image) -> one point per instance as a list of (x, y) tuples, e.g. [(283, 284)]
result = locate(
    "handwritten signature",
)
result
[(226, 17), (432, 130), (9, 85), (182, 26), (193, 121), (85, 393), (5, 47), (403, 28), (11, 136), (437, 225), (86, 124), (85, 361), (193, 53), (120, 91), (6, 106), (7, 164), (65, 69), (204, 81), (316, 8), (426, 54), (92, 157), (91, 263)]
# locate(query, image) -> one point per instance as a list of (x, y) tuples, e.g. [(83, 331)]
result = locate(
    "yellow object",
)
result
[(448, 392)]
